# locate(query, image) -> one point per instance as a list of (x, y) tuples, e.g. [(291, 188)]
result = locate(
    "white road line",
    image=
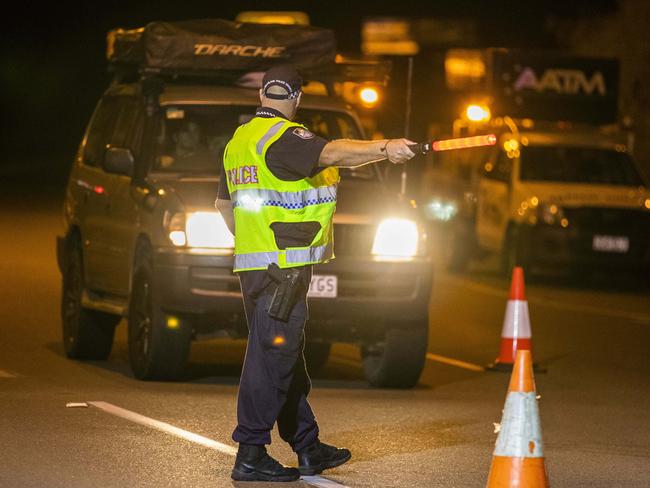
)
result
[(164, 427), (550, 303), (321, 482), (6, 374), (454, 362), (317, 481)]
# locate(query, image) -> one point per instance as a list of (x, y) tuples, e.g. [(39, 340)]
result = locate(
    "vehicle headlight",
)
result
[(200, 229), (396, 239)]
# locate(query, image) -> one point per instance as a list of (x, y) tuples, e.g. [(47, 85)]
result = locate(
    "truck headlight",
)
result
[(396, 239), (200, 229)]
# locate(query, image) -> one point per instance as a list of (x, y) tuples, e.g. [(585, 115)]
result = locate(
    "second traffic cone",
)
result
[(515, 334), (518, 459)]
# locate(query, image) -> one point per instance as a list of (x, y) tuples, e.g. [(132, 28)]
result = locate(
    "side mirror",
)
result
[(118, 160)]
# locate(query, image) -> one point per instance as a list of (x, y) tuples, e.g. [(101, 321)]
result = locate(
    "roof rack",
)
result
[(220, 51)]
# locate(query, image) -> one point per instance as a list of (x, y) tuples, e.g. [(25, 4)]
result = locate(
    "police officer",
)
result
[(277, 194)]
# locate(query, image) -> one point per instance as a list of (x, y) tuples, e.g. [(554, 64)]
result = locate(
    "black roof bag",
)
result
[(215, 45)]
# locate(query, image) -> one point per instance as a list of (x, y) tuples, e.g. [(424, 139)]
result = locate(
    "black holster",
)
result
[(286, 293)]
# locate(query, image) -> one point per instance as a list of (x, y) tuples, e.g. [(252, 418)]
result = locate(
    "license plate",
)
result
[(619, 244), (323, 286)]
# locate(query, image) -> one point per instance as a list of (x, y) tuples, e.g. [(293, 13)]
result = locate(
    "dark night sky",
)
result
[(53, 67)]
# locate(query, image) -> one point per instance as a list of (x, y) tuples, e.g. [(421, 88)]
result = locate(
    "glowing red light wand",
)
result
[(457, 143)]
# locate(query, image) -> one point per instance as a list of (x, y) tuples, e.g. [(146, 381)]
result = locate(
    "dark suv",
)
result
[(144, 241)]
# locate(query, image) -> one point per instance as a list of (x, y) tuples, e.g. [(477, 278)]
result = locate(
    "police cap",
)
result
[(285, 77)]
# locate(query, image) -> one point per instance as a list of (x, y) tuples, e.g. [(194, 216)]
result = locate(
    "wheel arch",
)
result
[(72, 237)]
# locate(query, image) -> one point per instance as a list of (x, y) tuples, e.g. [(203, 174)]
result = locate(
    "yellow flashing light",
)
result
[(478, 113), (369, 96), (173, 322)]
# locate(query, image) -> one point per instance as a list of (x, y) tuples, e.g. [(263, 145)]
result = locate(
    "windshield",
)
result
[(191, 138), (578, 165)]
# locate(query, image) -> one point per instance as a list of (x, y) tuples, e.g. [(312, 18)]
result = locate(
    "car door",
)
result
[(494, 200), (123, 201), (93, 183)]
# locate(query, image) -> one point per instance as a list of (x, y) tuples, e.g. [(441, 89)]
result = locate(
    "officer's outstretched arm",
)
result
[(348, 153), (225, 207)]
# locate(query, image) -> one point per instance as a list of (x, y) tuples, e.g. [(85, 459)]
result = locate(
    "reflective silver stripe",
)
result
[(255, 260), (292, 200), (269, 133), (311, 255)]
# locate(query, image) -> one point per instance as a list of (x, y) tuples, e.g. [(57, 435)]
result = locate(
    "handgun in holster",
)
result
[(286, 292)]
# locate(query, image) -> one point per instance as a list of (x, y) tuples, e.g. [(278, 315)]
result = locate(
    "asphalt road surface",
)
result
[(593, 338)]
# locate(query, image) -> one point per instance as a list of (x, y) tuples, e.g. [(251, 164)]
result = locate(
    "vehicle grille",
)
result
[(353, 239), (590, 221)]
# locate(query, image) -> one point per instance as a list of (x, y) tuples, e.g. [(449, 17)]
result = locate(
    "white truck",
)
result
[(550, 192)]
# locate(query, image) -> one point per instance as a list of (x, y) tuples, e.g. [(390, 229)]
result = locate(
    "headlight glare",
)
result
[(396, 239), (208, 229)]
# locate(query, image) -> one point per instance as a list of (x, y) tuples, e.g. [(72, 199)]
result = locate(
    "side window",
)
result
[(122, 135), (101, 128), (134, 139)]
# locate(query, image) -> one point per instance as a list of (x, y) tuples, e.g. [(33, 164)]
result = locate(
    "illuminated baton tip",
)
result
[(464, 142)]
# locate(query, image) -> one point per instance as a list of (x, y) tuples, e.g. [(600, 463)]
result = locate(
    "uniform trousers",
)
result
[(274, 382)]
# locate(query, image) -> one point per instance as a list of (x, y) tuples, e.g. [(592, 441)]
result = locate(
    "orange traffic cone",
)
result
[(515, 334), (518, 459)]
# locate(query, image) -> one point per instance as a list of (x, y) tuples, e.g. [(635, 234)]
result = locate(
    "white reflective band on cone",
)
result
[(516, 323), (521, 432)]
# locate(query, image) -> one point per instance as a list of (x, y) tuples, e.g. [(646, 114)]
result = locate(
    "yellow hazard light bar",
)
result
[(262, 17)]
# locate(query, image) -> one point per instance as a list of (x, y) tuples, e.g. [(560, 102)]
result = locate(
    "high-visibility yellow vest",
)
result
[(260, 199)]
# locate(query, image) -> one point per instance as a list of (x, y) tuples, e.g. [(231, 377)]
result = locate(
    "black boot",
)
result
[(254, 464), (318, 456)]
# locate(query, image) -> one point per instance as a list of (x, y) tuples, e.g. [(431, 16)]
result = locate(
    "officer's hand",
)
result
[(398, 152)]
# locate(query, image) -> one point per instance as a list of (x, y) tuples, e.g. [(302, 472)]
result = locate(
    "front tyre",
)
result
[(87, 334), (398, 361), (158, 347)]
